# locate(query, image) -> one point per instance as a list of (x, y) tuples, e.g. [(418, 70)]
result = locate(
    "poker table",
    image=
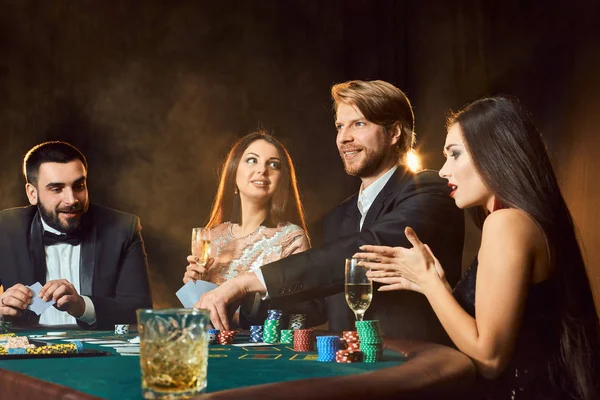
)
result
[(409, 369)]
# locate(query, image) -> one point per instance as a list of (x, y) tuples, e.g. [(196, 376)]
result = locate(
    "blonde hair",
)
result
[(381, 103)]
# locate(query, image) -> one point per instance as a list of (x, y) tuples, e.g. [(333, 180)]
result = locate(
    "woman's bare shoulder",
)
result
[(513, 229), (512, 221)]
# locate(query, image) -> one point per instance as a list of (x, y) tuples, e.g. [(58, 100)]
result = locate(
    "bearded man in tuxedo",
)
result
[(90, 259)]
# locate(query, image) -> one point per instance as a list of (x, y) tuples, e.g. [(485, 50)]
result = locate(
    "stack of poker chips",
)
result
[(16, 342), (256, 333), (351, 352), (272, 326), (26, 348), (352, 340), (297, 321), (226, 337), (287, 336), (371, 340), (213, 335), (303, 340), (327, 346), (67, 348)]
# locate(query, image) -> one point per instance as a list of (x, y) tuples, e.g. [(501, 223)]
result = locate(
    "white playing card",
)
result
[(190, 293), (203, 287), (187, 294), (38, 305)]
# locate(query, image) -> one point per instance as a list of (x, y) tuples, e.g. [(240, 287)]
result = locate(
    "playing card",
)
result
[(38, 305), (190, 293), (187, 294)]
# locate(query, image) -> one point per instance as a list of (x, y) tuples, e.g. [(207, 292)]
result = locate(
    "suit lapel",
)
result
[(352, 221), (37, 251), (87, 260), (390, 187)]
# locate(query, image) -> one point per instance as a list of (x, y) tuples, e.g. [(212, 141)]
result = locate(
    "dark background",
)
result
[(154, 93)]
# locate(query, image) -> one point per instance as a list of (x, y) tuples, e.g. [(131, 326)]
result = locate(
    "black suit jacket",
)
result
[(113, 267), (420, 201)]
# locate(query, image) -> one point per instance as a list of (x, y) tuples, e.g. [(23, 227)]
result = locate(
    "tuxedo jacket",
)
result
[(419, 200), (113, 269)]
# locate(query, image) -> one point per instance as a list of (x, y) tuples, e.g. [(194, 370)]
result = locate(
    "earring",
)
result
[(235, 190)]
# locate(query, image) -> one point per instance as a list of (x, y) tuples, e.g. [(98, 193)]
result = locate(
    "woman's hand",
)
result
[(399, 268), (193, 271)]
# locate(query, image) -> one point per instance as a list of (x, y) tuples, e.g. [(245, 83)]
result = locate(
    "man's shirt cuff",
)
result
[(89, 315), (261, 278)]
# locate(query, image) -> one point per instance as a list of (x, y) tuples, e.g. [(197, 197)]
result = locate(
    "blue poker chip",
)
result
[(274, 314), (19, 350), (256, 333), (79, 345)]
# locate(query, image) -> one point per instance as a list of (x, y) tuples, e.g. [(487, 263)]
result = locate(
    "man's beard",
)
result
[(371, 163), (71, 226)]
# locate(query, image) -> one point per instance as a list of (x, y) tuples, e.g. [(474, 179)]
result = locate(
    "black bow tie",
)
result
[(51, 238)]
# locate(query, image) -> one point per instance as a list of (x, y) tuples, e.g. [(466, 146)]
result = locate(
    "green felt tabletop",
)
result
[(118, 377)]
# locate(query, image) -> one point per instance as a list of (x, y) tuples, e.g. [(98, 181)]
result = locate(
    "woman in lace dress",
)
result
[(524, 311), (257, 216)]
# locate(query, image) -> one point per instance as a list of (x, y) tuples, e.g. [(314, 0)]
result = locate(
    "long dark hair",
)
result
[(511, 159), (285, 205)]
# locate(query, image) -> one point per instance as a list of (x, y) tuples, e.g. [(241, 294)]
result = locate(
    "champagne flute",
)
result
[(201, 245), (359, 289)]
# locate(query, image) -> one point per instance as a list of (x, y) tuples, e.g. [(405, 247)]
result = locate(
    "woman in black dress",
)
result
[(524, 312)]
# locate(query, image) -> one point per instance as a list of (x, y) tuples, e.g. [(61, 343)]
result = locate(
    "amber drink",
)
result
[(173, 352)]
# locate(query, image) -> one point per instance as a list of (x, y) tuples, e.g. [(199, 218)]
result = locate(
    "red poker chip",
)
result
[(353, 346)]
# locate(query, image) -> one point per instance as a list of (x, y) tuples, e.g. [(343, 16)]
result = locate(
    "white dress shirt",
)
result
[(367, 196), (62, 262), (365, 200)]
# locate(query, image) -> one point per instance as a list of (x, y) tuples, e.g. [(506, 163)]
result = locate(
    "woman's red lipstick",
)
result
[(454, 191)]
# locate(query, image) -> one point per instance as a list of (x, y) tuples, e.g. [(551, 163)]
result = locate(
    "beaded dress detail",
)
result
[(234, 256)]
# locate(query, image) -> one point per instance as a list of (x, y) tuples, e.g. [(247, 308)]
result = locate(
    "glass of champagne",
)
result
[(359, 289), (201, 245)]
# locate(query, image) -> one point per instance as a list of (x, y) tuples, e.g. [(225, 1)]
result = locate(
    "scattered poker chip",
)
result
[(121, 329)]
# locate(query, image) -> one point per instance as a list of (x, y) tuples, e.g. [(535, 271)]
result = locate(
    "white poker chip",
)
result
[(56, 333)]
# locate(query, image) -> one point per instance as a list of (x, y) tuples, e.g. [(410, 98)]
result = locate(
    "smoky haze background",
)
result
[(155, 92)]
